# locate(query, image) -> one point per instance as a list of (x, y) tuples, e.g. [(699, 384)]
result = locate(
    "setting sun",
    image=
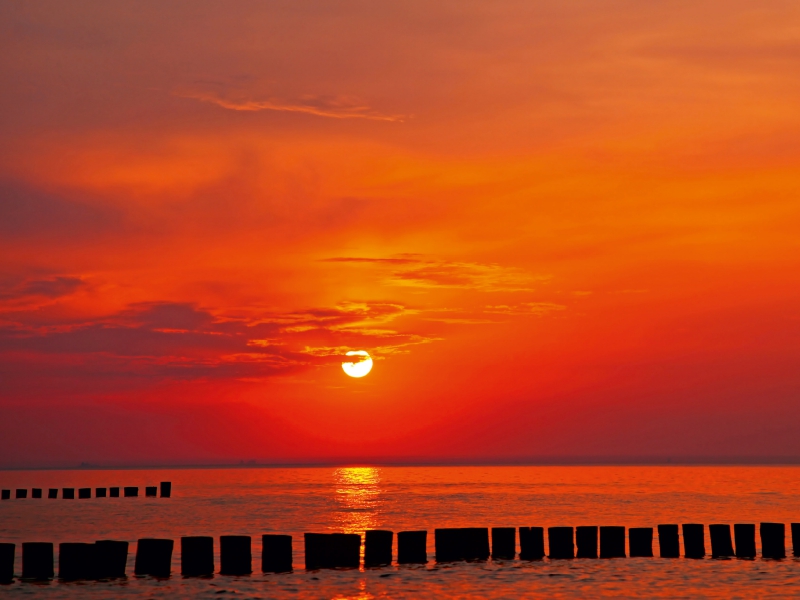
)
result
[(360, 368)]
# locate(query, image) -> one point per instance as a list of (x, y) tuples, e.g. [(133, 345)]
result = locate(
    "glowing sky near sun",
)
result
[(559, 229)]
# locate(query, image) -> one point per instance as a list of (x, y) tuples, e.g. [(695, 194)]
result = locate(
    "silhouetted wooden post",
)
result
[(462, 543), (7, 562), (378, 547), (795, 539), (773, 544), (694, 543), (476, 543), (52, 493), (586, 541), (151, 491), (5, 494), (612, 541), (317, 551), (67, 493), (197, 556), (561, 544), (21, 493), (112, 558), (504, 543), (113, 492), (36, 492), (531, 543), (332, 550), (276, 553), (166, 489), (448, 544), (84, 493), (100, 492), (37, 560), (131, 492), (745, 536), (412, 547), (235, 556), (153, 557), (721, 544), (347, 549), (668, 541), (640, 541), (76, 561)]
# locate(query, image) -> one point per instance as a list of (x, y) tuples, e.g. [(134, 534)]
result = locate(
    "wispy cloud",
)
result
[(168, 340), (415, 270), (526, 308), (402, 345), (400, 259), (333, 107), (52, 287), (467, 275), (30, 294)]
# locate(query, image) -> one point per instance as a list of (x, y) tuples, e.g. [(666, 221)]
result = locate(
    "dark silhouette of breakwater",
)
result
[(107, 559), (164, 490)]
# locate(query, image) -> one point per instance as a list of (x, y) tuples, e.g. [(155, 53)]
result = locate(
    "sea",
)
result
[(352, 499)]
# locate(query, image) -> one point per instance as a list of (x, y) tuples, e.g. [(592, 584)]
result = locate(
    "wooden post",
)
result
[(795, 539), (84, 493), (461, 543), (52, 493), (37, 560), (694, 543), (21, 493), (476, 543), (276, 553), (773, 543), (76, 561), (100, 492), (447, 544), (332, 550), (668, 541), (112, 558), (640, 541), (197, 556), (153, 557), (531, 543), (378, 547), (504, 543), (7, 562), (36, 492), (131, 492), (612, 542), (745, 536), (5, 494), (586, 541), (721, 544), (151, 491), (412, 547), (166, 489), (561, 544), (68, 493), (235, 555), (113, 492)]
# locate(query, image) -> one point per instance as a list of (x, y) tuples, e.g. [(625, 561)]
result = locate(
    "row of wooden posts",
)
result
[(108, 558), (68, 493)]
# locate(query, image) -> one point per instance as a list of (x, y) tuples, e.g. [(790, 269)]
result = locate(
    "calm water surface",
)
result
[(265, 500)]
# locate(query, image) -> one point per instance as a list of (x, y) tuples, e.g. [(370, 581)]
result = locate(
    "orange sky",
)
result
[(563, 230)]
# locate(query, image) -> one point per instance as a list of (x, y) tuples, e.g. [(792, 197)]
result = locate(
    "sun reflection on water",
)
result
[(362, 594), (358, 495)]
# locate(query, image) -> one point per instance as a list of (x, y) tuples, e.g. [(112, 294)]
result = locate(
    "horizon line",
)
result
[(576, 461)]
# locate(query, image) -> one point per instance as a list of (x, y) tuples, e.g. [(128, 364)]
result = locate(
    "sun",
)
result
[(360, 368)]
